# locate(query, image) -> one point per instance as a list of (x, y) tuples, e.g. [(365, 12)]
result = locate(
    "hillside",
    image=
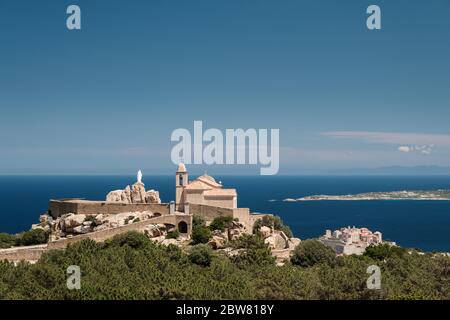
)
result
[(130, 266)]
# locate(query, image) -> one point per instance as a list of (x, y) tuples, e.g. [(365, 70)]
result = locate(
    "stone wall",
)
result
[(335, 244), (33, 253), (219, 201), (103, 235), (208, 213), (59, 207), (30, 253), (243, 214)]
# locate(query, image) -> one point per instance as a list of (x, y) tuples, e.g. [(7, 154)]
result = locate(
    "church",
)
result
[(204, 190), (204, 197)]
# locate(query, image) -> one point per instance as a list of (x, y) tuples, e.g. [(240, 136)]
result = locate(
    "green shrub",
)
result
[(7, 240), (383, 251), (254, 251), (197, 221), (132, 239), (272, 221), (32, 237), (118, 271), (221, 223), (200, 234), (248, 241), (201, 254), (311, 252), (172, 234)]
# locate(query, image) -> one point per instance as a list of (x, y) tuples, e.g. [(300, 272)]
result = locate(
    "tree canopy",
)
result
[(130, 266), (310, 252)]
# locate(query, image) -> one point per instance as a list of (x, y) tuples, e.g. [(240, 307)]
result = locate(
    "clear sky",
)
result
[(105, 99)]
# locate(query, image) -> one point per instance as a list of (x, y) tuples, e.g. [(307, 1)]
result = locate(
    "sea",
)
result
[(409, 223)]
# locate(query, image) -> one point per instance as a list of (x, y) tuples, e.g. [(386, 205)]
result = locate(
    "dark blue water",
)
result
[(415, 224)]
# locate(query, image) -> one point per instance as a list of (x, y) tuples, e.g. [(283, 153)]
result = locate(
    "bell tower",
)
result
[(181, 181)]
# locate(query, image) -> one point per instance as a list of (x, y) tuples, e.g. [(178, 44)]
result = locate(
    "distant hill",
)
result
[(387, 171), (398, 170)]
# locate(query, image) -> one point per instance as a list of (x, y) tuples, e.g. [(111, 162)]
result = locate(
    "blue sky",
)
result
[(105, 99)]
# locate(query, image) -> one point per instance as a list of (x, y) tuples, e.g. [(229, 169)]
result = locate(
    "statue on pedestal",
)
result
[(139, 177), (135, 194)]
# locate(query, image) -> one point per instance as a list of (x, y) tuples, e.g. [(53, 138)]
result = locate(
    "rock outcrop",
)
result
[(71, 224), (138, 193), (135, 194), (155, 230), (236, 230), (265, 232), (293, 242), (278, 240), (218, 240), (74, 220)]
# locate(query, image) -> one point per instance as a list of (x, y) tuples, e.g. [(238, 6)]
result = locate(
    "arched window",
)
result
[(181, 180), (182, 227)]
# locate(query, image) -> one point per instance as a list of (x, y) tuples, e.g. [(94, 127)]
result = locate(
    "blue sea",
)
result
[(413, 224)]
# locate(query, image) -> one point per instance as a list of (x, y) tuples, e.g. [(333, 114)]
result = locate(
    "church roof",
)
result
[(198, 185), (209, 180), (208, 186), (207, 177), (204, 182)]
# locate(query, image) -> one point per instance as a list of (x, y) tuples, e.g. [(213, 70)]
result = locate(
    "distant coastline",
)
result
[(427, 195)]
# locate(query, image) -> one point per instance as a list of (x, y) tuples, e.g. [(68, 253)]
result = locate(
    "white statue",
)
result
[(139, 176)]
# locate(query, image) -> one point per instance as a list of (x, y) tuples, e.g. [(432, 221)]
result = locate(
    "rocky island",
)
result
[(441, 194)]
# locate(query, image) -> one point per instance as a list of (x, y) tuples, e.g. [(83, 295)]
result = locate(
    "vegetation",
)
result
[(272, 221), (200, 232), (89, 218), (172, 234), (130, 266), (221, 223), (201, 254), (254, 252), (384, 251), (27, 238), (7, 240), (132, 239), (311, 252)]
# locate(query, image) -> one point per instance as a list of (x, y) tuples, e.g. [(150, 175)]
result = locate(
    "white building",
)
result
[(351, 240)]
